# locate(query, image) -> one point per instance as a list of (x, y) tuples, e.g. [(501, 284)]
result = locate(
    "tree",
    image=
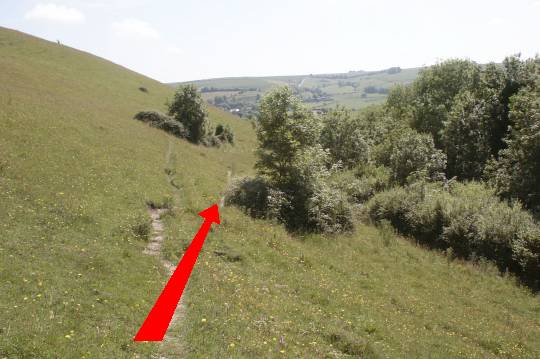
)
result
[(342, 136), (188, 108), (467, 136), (434, 91), (409, 155), (285, 129), (297, 166), (517, 173)]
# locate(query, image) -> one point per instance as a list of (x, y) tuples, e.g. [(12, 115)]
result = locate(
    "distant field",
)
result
[(354, 89)]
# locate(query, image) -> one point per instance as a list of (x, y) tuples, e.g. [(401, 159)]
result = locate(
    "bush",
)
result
[(164, 122), (363, 182), (409, 153), (344, 139), (329, 211), (254, 195), (224, 134), (468, 218)]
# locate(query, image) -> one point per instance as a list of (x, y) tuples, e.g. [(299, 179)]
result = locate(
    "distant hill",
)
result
[(354, 89)]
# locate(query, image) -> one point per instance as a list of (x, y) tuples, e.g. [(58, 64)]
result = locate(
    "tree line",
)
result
[(452, 160)]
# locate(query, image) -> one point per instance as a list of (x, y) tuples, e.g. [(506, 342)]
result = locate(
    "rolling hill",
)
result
[(76, 176), (354, 89)]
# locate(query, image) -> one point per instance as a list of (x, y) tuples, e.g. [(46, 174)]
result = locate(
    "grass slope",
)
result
[(75, 173)]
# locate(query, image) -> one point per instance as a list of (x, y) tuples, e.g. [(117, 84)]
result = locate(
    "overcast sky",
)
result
[(180, 40)]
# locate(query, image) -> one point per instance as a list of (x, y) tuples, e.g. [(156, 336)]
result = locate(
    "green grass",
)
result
[(369, 295), (76, 171), (75, 174)]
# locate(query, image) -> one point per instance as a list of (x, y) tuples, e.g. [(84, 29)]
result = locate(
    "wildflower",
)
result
[(231, 345), (203, 320)]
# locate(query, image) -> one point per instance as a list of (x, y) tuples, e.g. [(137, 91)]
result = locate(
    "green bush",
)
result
[(361, 183), (329, 211), (164, 122), (342, 136), (256, 197), (468, 218), (410, 155), (396, 206), (224, 134)]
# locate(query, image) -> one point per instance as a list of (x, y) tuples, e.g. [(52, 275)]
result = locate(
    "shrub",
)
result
[(394, 205), (285, 129), (409, 153), (307, 203), (224, 134), (329, 211), (254, 195), (211, 141), (164, 122), (468, 218), (362, 183)]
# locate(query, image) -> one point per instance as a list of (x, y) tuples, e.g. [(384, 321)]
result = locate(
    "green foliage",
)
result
[(285, 129), (188, 108), (297, 169), (399, 103), (467, 136), (409, 155), (434, 91), (363, 182), (466, 108), (164, 122), (516, 174), (256, 197), (316, 204), (344, 138), (224, 134), (468, 218)]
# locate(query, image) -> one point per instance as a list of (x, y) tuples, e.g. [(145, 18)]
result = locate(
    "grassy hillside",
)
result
[(75, 175), (355, 89)]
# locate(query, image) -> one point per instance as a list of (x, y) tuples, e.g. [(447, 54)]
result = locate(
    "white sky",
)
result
[(180, 40)]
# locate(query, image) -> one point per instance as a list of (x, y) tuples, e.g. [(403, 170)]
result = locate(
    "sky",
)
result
[(183, 40)]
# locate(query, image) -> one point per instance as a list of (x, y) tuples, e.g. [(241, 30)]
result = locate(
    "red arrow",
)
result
[(157, 322)]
